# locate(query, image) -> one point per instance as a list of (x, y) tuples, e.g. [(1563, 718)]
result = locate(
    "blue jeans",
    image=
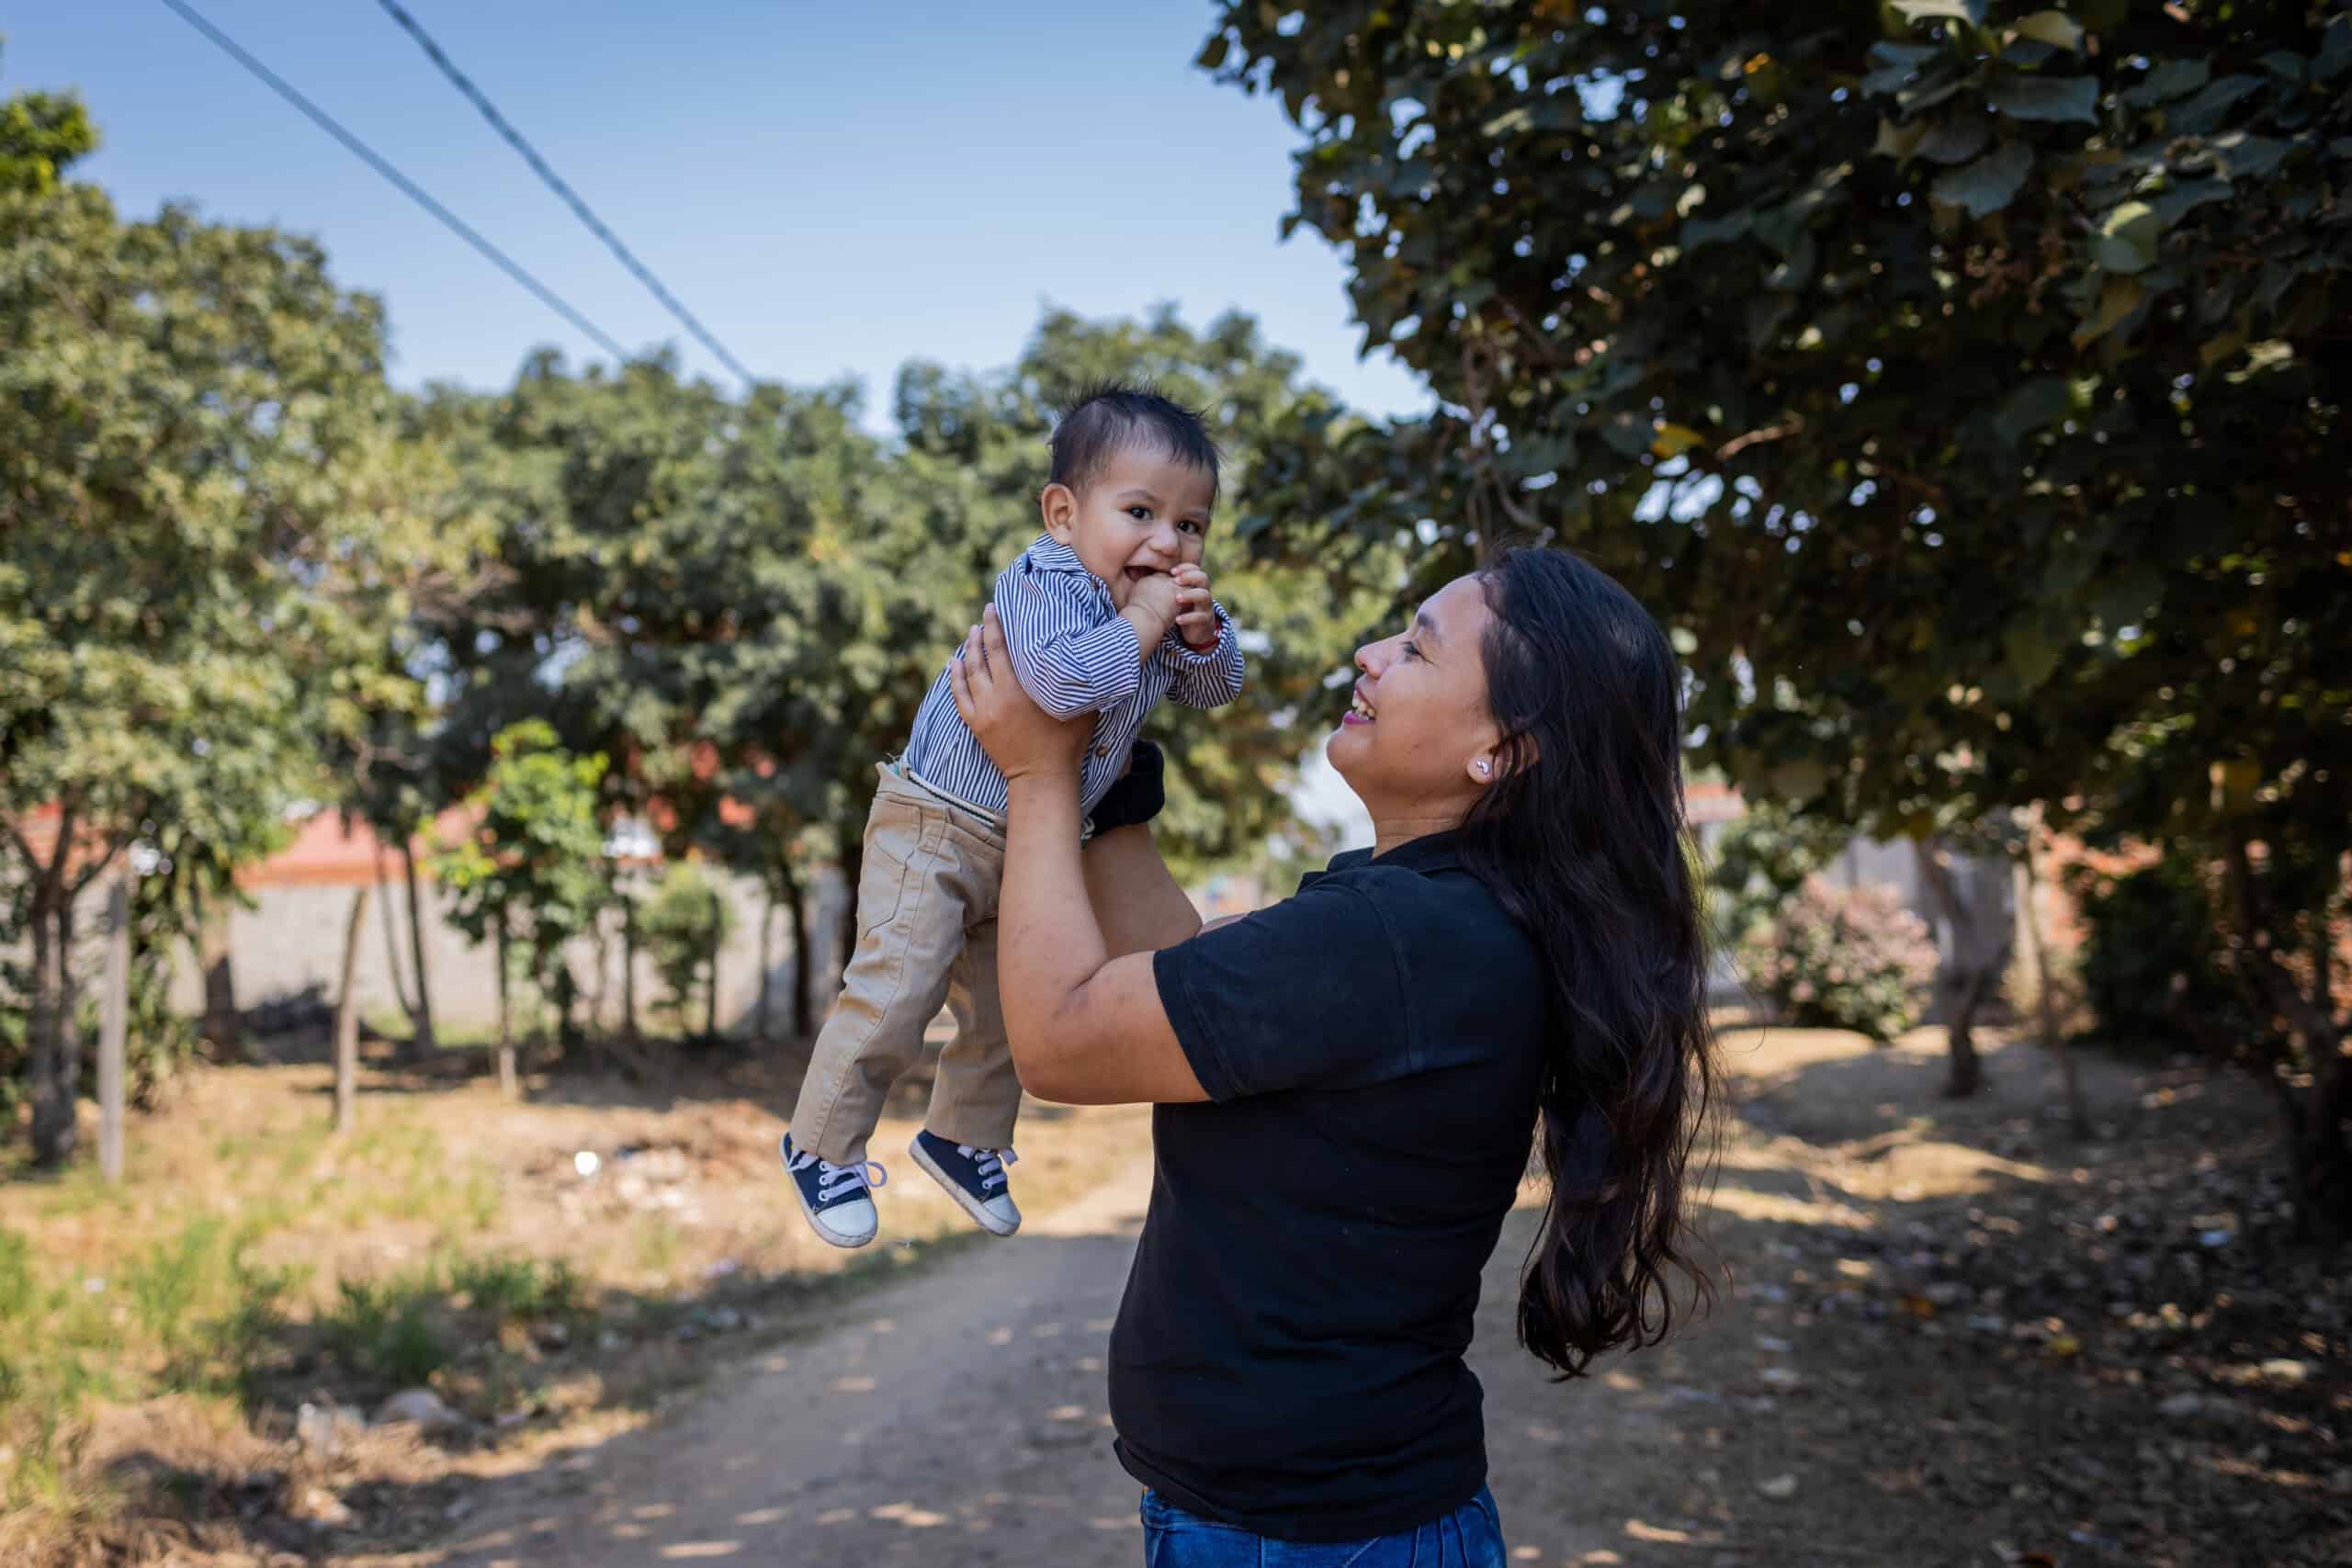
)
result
[(1470, 1537)]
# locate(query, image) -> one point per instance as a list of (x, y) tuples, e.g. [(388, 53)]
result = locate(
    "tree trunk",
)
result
[(767, 968), (114, 1024), (2323, 1153), (710, 996), (393, 943), (346, 1014), (2322, 1136), (53, 1066), (628, 970), (56, 1028), (221, 1025), (422, 1044), (802, 981), (2053, 1036), (507, 1082), (1979, 948), (567, 1002), (852, 869)]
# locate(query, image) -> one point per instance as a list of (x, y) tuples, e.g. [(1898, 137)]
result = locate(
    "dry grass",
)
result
[(156, 1338)]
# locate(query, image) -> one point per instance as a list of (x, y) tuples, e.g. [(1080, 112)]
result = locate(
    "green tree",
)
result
[(185, 411), (40, 134), (682, 926), (688, 583), (531, 874), (1911, 359)]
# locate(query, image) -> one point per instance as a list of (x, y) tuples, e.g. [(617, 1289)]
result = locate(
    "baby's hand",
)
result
[(1195, 612), (1158, 597)]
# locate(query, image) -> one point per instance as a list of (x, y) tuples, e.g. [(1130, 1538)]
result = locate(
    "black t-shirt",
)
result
[(1288, 1355)]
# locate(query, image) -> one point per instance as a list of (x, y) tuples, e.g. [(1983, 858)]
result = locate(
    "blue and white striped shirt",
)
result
[(1075, 653)]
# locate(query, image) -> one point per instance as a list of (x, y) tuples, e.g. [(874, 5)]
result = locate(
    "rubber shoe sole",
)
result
[(816, 1223), (970, 1205)]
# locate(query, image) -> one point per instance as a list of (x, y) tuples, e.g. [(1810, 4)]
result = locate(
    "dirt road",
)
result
[(1891, 1382), (960, 1414)]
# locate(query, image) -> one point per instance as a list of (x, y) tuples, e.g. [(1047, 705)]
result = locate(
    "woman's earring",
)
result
[(1485, 767)]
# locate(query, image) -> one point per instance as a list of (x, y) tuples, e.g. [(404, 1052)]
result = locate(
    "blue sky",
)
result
[(831, 188)]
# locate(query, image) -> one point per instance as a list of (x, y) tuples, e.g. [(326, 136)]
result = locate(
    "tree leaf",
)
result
[(2117, 300), (2216, 350), (2032, 654), (1897, 141), (1699, 232), (1766, 315), (1989, 183), (2335, 55), (2248, 157), (1672, 440), (2063, 99), (1887, 79), (1886, 51), (2127, 240), (1794, 784), (2054, 27), (1795, 269), (1212, 53), (1971, 11), (2201, 114), (1928, 95), (2168, 79), (1627, 434), (1956, 140), (2039, 402), (2186, 197)]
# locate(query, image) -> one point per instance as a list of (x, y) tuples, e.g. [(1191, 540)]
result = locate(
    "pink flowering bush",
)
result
[(1835, 957)]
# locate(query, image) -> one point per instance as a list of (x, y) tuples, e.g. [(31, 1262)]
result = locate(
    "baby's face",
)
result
[(1144, 512)]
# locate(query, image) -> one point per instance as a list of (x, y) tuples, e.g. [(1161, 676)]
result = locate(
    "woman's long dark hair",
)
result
[(1584, 840)]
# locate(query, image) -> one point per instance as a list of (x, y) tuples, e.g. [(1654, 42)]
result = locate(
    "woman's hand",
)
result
[(1023, 739)]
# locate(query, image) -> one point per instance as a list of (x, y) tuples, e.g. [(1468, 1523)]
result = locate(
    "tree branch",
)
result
[(2278, 984), (1792, 426), (95, 869), (24, 847)]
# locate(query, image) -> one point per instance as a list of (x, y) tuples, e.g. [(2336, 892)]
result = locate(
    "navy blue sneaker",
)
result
[(974, 1177), (836, 1198)]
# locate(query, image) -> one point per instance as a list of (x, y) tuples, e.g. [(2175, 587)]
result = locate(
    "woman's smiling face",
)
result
[(1417, 729)]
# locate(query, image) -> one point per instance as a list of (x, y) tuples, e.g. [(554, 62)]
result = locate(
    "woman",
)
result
[(1346, 1083)]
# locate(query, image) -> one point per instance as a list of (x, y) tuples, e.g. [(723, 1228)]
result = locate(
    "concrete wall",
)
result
[(291, 942)]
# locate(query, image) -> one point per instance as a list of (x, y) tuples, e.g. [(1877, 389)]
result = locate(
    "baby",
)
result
[(1105, 613)]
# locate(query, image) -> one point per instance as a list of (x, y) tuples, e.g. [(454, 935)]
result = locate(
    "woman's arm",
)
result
[(1085, 1027), (1137, 903)]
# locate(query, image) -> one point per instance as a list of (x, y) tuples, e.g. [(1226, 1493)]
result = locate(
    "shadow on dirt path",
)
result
[(1953, 1339)]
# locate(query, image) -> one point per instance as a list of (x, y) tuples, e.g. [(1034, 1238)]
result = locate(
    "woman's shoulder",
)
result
[(1420, 890)]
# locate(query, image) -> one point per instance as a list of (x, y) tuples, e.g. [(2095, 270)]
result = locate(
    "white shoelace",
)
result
[(989, 1163), (833, 1181)]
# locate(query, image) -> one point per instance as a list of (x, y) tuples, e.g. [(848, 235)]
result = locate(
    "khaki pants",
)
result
[(926, 933)]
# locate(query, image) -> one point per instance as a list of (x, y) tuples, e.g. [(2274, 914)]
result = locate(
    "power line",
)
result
[(555, 183), (408, 188)]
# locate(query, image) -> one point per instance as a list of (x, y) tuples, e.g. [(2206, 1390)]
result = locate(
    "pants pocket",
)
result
[(893, 841)]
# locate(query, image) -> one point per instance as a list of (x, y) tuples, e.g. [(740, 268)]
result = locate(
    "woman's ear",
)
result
[(1058, 506), (1500, 759)]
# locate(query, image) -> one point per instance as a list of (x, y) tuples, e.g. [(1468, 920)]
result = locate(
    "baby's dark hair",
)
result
[(1112, 416)]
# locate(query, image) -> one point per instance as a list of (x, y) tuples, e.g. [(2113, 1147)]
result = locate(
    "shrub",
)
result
[(2152, 958), (1760, 860), (387, 1328), (1833, 957), (681, 928)]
